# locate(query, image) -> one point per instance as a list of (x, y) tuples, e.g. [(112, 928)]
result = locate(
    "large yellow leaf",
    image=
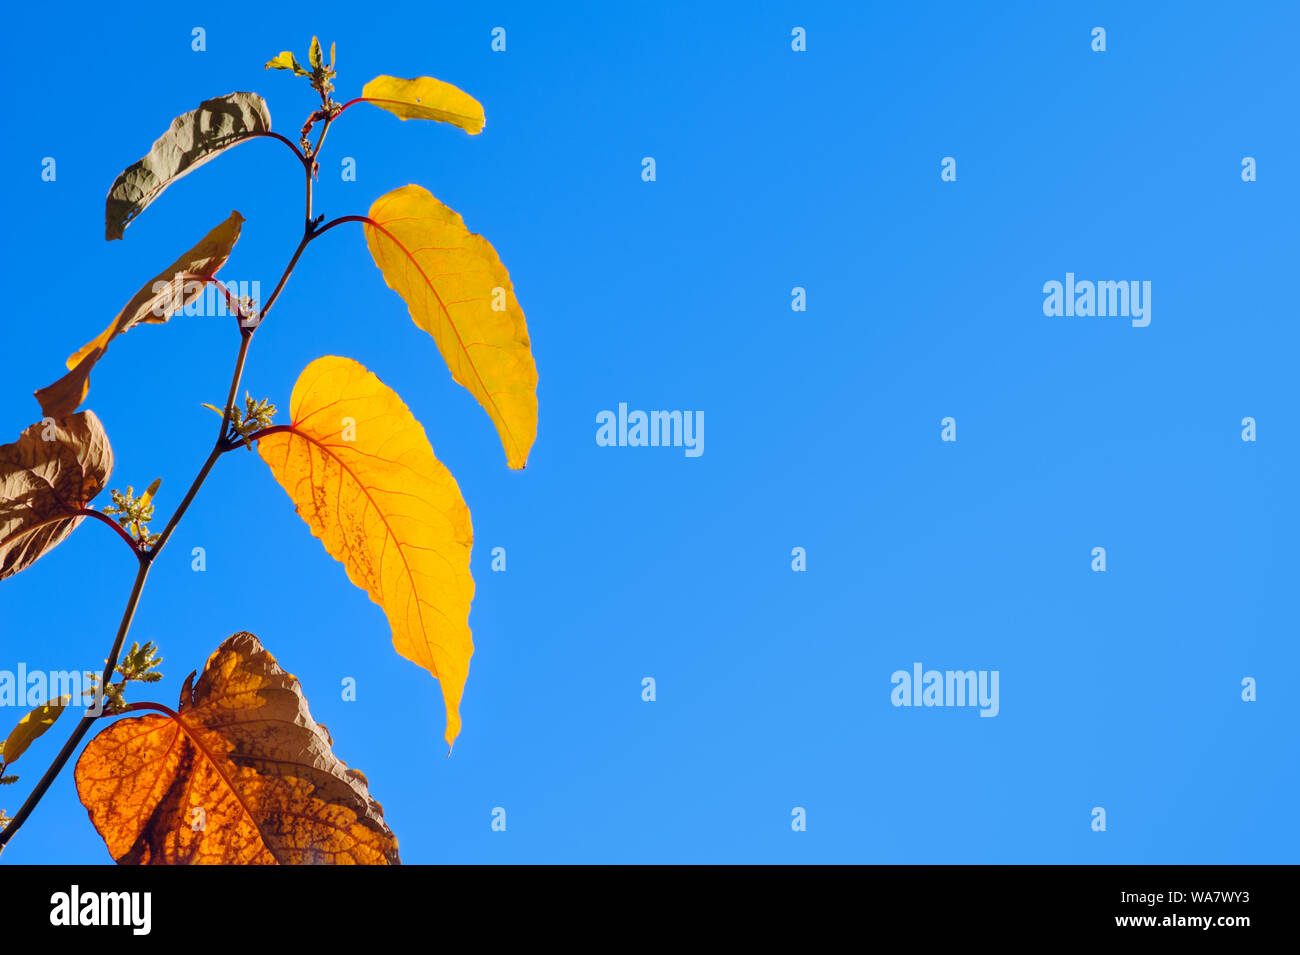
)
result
[(241, 774), (425, 98), (192, 139), (363, 476), (458, 291), (171, 289), (46, 476)]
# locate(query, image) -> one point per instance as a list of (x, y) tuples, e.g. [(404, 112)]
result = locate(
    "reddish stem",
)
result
[(342, 219), (131, 542), (267, 432), (296, 151), (146, 557)]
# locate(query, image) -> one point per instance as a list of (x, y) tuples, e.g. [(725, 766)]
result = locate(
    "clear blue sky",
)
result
[(775, 169)]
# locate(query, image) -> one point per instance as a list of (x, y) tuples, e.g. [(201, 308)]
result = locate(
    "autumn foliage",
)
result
[(238, 771)]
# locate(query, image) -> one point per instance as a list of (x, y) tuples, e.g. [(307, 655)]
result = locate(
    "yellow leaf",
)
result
[(363, 476), (31, 727), (425, 98), (150, 491), (241, 774), (286, 61), (52, 471), (458, 291), (171, 289)]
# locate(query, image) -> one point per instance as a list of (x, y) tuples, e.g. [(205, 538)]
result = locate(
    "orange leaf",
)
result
[(242, 774), (173, 288), (46, 476), (459, 292), (363, 476)]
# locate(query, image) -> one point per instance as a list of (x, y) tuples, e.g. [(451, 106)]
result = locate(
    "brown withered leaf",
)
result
[(158, 299), (193, 139), (52, 471), (241, 774)]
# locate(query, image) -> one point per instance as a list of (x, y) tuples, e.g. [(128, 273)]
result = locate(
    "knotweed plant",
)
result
[(238, 771)]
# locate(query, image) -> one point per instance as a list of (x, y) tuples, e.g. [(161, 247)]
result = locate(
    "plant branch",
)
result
[(83, 726), (82, 512), (284, 139), (288, 269), (146, 557), (325, 128), (267, 432), (131, 542), (189, 496), (342, 219), (146, 561), (307, 168)]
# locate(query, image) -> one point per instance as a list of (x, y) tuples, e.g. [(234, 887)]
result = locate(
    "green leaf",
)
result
[(30, 728), (315, 56), (287, 61), (193, 139)]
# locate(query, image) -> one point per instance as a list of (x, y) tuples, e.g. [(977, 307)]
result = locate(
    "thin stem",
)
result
[(340, 220), (218, 449), (185, 502), (325, 128), (130, 541), (307, 166), (232, 301), (146, 561), (83, 726), (288, 142), (146, 557), (267, 432), (83, 512), (288, 269), (245, 340)]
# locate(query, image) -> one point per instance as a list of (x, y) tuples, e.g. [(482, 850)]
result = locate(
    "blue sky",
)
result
[(775, 169)]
